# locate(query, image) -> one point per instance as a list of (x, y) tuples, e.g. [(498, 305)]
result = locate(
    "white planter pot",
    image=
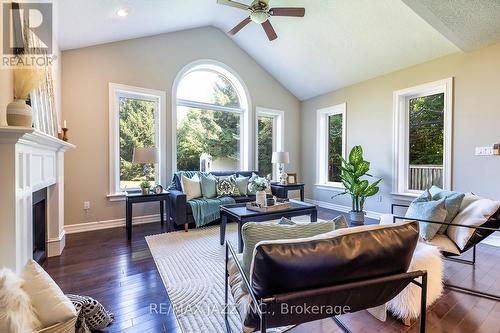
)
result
[(357, 217), (19, 113), (261, 198)]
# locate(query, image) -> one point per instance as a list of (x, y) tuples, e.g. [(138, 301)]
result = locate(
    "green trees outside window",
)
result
[(426, 141), (265, 144), (137, 129), (334, 147)]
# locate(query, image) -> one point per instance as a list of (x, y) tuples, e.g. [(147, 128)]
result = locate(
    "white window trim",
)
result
[(245, 107), (115, 193), (322, 144), (278, 133), (400, 135)]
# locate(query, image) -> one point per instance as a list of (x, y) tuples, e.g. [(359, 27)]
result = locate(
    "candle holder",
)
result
[(64, 137)]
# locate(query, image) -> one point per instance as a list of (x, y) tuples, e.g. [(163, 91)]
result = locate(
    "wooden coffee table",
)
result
[(239, 213)]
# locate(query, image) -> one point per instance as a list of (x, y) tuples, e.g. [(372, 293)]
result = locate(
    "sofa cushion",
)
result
[(477, 213), (255, 232), (424, 208), (244, 199), (191, 187), (452, 202), (50, 303), (226, 186), (208, 186)]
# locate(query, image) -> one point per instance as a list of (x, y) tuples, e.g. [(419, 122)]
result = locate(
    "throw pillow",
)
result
[(226, 186), (427, 210), (475, 214), (255, 232), (91, 314), (452, 202), (242, 184), (191, 187), (17, 314), (209, 186), (51, 305)]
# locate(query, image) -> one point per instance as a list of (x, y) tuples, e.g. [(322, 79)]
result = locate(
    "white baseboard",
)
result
[(55, 246), (341, 208), (107, 224)]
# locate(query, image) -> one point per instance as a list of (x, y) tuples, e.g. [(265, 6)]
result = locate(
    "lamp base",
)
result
[(283, 178)]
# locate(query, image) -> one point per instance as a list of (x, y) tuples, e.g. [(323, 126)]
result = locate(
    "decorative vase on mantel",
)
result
[(261, 198), (19, 113)]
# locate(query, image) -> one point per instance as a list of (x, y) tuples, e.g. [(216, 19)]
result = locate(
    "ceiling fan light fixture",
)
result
[(259, 16)]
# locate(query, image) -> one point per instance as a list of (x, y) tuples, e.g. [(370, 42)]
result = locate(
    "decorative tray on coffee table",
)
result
[(266, 209)]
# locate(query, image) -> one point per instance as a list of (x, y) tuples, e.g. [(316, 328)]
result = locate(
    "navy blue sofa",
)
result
[(180, 210)]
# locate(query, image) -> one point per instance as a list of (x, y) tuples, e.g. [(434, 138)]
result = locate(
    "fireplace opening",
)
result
[(39, 225)]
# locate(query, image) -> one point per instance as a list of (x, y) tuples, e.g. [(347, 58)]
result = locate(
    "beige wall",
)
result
[(150, 62), (369, 122), (6, 89)]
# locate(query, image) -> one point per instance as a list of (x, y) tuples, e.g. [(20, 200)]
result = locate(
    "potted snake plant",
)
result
[(359, 189)]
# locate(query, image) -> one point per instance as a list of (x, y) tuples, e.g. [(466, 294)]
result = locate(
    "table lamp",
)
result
[(281, 158), (146, 156)]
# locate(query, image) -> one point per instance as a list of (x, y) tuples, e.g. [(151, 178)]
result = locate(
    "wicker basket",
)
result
[(66, 327)]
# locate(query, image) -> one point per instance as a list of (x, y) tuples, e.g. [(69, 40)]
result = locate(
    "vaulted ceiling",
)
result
[(337, 43)]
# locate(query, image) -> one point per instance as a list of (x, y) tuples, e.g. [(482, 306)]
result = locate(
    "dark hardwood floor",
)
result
[(122, 275)]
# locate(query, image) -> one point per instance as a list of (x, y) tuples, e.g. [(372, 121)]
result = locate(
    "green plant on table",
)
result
[(145, 184), (351, 173), (259, 184)]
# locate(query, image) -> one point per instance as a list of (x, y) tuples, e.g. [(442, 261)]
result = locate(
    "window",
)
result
[(422, 142), (134, 122), (210, 120), (331, 143), (269, 139)]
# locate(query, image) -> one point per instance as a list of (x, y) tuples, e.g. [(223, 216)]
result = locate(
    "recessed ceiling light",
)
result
[(122, 12)]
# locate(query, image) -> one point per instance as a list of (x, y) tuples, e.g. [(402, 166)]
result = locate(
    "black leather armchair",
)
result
[(346, 270)]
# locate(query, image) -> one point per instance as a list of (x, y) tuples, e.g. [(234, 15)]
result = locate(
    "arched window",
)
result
[(210, 119)]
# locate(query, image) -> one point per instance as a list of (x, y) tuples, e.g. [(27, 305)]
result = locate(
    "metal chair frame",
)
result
[(450, 256), (263, 302)]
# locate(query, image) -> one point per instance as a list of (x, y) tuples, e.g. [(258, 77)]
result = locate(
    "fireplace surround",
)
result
[(30, 161)]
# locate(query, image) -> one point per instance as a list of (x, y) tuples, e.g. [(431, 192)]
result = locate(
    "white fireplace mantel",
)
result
[(29, 161)]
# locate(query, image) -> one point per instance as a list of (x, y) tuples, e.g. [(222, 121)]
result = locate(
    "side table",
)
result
[(133, 197), (281, 190)]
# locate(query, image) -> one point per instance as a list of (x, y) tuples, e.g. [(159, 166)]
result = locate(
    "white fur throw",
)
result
[(407, 304), (18, 314)]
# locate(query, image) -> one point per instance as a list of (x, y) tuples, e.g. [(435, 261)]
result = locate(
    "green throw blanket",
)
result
[(208, 210)]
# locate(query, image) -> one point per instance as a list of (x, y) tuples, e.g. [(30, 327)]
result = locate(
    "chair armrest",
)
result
[(178, 206), (230, 252), (397, 205)]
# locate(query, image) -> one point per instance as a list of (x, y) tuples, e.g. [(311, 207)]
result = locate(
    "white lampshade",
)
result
[(280, 157), (145, 155)]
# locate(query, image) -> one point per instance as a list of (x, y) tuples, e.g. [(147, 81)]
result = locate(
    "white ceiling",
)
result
[(337, 43)]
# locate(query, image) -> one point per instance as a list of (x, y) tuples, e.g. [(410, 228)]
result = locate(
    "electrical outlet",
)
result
[(86, 205)]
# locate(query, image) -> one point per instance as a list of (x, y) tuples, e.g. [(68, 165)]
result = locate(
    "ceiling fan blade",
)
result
[(284, 11), (268, 28), (232, 4), (240, 26)]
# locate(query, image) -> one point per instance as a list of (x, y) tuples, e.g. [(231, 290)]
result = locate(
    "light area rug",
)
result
[(191, 265)]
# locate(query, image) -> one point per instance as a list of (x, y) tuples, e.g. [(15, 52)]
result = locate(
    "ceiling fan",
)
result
[(260, 13)]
